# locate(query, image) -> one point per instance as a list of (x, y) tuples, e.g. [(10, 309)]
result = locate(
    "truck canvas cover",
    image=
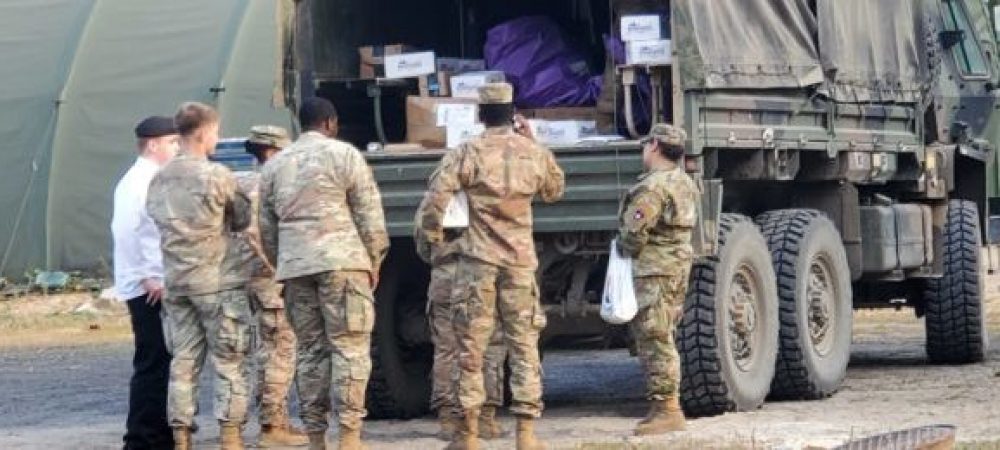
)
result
[(871, 50), (853, 51), (736, 44)]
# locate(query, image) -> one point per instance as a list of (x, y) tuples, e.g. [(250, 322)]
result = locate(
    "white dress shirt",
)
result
[(137, 253)]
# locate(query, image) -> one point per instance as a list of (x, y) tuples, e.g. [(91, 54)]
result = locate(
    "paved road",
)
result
[(75, 398), (55, 388)]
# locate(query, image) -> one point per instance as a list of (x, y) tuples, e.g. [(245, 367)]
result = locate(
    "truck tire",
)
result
[(400, 383), (815, 300), (727, 337), (954, 316)]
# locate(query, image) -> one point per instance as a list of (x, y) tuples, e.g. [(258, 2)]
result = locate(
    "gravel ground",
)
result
[(75, 397)]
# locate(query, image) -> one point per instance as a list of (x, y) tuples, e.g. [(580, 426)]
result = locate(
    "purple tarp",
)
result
[(541, 64)]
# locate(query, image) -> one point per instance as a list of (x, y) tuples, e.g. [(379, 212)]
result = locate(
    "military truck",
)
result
[(844, 150)]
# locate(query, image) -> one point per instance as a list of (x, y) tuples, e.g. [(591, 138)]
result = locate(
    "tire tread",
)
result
[(784, 231), (953, 303), (703, 387)]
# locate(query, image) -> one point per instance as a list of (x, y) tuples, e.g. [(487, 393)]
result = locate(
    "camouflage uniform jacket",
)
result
[(449, 246), (656, 221), (500, 172), (321, 210), (196, 205), (251, 246)]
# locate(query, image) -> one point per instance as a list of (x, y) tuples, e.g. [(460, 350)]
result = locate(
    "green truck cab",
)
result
[(845, 151)]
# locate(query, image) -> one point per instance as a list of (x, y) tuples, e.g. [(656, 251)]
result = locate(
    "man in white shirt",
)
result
[(138, 265)]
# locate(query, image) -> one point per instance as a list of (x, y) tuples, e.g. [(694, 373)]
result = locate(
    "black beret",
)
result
[(155, 126)]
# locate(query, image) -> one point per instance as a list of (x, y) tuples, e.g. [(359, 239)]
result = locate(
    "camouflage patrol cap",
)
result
[(269, 135), (668, 134), (496, 94)]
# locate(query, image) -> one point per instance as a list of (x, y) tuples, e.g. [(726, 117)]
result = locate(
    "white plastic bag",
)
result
[(618, 303)]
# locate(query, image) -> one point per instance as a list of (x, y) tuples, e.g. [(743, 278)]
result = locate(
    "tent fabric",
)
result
[(870, 50), (736, 44), (77, 77), (38, 40)]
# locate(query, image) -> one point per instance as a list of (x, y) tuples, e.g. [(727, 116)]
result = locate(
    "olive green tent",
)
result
[(76, 77)]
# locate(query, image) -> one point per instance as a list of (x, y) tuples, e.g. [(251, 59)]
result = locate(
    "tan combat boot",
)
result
[(526, 439), (317, 440), (232, 438), (466, 437), (182, 438), (350, 439), (664, 416), (449, 420), (489, 427), (281, 436)]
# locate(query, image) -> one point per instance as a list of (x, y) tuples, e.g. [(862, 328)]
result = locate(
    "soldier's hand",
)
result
[(522, 127), (154, 290)]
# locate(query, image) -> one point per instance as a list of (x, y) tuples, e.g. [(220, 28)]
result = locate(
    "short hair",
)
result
[(672, 152), (496, 115), (193, 115), (142, 143), (316, 110), (258, 150)]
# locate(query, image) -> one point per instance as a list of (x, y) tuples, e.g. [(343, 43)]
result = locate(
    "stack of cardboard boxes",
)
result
[(644, 41), (445, 114)]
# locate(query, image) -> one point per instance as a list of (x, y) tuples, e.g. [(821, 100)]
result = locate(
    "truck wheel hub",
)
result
[(743, 316), (821, 297)]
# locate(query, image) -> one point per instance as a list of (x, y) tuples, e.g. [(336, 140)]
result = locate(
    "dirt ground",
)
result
[(65, 362)]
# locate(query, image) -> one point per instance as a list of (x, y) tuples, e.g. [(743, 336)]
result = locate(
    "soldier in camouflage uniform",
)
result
[(500, 172), (656, 222), (275, 353), (197, 208), (321, 222), (440, 298)]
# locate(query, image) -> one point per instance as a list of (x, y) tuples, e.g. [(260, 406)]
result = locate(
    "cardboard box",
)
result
[(373, 59), (561, 113), (605, 122), (641, 28), (467, 85), (649, 53), (458, 66), (409, 65), (422, 119), (403, 148), (562, 132), (437, 84), (460, 133)]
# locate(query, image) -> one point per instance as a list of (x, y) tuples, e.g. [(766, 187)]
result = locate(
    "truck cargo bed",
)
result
[(596, 177)]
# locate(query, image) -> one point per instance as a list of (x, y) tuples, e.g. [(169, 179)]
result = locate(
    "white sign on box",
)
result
[(641, 28), (562, 132), (467, 85), (455, 113), (409, 65), (650, 53), (456, 214), (460, 133)]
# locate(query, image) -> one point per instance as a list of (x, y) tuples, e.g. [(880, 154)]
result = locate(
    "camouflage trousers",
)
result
[(333, 314), (275, 351), (661, 303), (441, 297), (484, 291), (218, 326)]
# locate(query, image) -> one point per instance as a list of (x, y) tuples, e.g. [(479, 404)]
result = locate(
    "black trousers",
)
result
[(146, 426)]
